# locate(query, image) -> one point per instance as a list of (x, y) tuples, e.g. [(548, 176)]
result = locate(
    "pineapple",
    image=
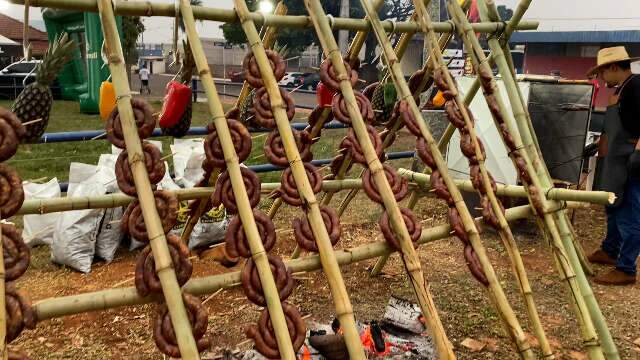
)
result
[(380, 102), (246, 109), (35, 100), (181, 128)]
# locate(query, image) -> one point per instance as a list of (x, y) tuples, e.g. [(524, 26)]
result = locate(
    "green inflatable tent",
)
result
[(81, 78)]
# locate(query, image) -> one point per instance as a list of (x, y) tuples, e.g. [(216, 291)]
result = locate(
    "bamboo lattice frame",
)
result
[(554, 221)]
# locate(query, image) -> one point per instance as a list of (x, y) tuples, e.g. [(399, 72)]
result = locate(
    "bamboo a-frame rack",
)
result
[(565, 249)]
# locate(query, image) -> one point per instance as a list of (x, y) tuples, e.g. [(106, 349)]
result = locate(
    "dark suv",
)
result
[(309, 81)]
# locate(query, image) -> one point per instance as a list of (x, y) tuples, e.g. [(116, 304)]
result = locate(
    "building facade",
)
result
[(11, 40), (570, 54)]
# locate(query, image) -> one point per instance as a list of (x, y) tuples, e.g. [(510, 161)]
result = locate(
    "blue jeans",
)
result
[(623, 230)]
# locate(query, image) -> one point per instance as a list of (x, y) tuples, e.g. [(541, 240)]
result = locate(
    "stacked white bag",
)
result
[(109, 234), (188, 156), (75, 232), (38, 229)]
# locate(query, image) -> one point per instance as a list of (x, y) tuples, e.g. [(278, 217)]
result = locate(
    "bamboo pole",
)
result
[(524, 125), (564, 224), (344, 310), (46, 206), (427, 68), (149, 9), (495, 291), (408, 252), (245, 211), (414, 194), (465, 32), (594, 197), (158, 243), (515, 20), (112, 298), (352, 56), (268, 34), (403, 42), (558, 249), (399, 49)]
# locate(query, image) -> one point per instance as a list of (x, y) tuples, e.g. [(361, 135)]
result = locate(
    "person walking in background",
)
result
[(144, 79), (620, 147)]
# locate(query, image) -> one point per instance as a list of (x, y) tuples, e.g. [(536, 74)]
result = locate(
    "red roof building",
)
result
[(12, 29)]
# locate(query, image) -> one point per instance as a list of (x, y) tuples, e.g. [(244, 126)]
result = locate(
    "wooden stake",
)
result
[(32, 122), (201, 206), (170, 288)]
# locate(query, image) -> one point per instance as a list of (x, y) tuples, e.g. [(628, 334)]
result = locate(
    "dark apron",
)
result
[(614, 174)]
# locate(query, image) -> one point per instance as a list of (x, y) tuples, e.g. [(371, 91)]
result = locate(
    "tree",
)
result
[(297, 40), (132, 27), (399, 10), (505, 13), (193, 3)]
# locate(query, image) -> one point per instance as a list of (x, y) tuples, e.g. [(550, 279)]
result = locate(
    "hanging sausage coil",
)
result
[(147, 280), (236, 242), (351, 146), (376, 113), (438, 185), (16, 254), (514, 151)]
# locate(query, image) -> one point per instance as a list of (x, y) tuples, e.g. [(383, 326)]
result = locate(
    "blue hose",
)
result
[(194, 131), (264, 168)]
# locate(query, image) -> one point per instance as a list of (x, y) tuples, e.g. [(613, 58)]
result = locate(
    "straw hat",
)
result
[(610, 55)]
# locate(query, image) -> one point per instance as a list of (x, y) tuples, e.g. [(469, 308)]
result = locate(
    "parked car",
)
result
[(309, 81), (290, 79), (12, 79)]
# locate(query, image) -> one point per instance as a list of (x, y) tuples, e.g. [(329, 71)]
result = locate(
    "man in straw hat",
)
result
[(620, 174)]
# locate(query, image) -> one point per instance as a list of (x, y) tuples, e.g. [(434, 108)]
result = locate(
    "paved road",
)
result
[(227, 92)]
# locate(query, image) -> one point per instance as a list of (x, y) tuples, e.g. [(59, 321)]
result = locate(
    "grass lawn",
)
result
[(42, 162), (37, 161)]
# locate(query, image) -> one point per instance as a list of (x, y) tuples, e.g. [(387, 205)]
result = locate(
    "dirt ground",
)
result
[(124, 333)]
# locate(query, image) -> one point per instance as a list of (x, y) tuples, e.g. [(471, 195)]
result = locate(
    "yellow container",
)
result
[(107, 99), (438, 100)]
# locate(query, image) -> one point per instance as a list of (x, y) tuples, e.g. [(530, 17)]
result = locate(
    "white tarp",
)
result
[(498, 162)]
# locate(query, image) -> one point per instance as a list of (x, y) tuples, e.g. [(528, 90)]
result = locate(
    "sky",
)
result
[(554, 15)]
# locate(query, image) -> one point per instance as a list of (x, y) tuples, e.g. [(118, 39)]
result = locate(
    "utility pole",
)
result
[(343, 35)]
